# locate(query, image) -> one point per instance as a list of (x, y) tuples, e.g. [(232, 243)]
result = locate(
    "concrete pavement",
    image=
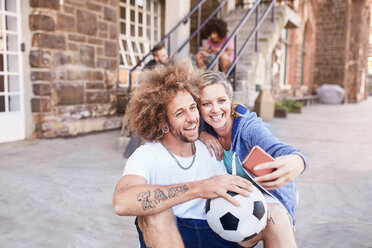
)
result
[(57, 193), (335, 192)]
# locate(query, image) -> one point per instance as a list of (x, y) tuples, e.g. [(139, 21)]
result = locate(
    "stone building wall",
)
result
[(299, 71), (298, 77), (74, 66), (331, 39), (358, 47), (342, 45)]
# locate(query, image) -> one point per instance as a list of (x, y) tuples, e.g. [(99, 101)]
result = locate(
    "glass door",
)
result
[(12, 119)]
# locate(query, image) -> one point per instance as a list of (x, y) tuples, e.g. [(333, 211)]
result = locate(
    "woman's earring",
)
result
[(165, 129)]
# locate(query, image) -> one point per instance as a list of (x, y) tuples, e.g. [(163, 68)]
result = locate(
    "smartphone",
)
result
[(255, 157)]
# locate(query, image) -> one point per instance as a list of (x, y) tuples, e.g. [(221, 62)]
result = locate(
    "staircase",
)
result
[(254, 68)]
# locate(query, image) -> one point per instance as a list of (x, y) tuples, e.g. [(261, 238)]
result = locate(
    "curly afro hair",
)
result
[(216, 25), (146, 111)]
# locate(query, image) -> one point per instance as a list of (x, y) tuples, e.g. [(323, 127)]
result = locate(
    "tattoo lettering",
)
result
[(176, 191), (149, 202), (146, 203), (159, 195)]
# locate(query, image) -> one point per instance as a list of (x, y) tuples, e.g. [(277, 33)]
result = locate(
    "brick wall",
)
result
[(357, 56), (342, 43), (74, 66), (300, 61), (331, 36)]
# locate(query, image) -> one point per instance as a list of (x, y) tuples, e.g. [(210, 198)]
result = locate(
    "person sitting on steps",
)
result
[(216, 29)]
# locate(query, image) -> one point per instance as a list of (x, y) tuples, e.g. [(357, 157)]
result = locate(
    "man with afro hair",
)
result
[(167, 180)]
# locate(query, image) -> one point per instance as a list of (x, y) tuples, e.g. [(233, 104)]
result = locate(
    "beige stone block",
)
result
[(265, 105), (85, 126)]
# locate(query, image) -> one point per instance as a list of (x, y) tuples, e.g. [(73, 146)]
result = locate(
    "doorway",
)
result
[(12, 118)]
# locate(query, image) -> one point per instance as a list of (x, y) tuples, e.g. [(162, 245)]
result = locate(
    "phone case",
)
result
[(255, 157)]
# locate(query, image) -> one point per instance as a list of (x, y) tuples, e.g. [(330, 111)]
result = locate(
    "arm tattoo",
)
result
[(271, 220), (176, 191), (159, 195), (144, 198), (149, 202)]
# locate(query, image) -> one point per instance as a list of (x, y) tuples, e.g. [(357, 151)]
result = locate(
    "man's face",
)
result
[(215, 37), (161, 56), (183, 116)]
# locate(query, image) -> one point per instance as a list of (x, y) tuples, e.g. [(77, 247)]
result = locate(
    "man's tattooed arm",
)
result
[(149, 199)]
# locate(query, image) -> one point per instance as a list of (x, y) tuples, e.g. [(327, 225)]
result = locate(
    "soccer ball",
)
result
[(241, 223)]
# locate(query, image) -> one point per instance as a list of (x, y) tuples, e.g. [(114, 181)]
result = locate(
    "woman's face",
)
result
[(215, 106)]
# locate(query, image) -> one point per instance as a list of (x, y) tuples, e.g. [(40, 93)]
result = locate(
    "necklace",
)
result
[(175, 159)]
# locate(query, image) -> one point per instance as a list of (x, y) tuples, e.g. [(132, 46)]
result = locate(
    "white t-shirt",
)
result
[(153, 162)]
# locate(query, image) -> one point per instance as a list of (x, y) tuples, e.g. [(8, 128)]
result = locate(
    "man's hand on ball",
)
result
[(218, 186)]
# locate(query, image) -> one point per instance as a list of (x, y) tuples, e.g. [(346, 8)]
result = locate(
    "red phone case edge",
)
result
[(266, 156)]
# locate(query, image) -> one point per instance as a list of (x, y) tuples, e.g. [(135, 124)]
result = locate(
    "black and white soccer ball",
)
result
[(241, 223)]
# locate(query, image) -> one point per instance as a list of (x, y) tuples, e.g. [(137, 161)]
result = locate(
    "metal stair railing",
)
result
[(259, 21), (167, 36)]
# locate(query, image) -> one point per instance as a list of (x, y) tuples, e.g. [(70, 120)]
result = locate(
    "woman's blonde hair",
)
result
[(146, 111)]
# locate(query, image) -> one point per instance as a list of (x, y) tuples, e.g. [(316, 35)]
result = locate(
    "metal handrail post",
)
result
[(129, 81), (198, 36), (256, 36), (169, 46)]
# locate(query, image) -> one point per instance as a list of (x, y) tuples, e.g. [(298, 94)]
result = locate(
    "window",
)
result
[(140, 29), (9, 58)]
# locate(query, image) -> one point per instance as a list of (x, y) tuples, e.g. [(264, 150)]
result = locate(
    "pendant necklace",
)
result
[(175, 159)]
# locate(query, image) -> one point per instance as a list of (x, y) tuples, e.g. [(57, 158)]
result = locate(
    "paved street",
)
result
[(58, 192)]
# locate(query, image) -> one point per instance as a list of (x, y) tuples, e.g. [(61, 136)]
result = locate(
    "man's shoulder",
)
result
[(150, 146), (147, 149), (203, 150), (200, 145)]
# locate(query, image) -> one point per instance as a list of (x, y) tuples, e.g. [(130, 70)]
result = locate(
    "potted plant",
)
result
[(281, 111), (292, 105)]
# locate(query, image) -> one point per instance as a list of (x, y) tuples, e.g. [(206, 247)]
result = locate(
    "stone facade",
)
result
[(330, 47), (300, 44), (342, 46), (74, 66)]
